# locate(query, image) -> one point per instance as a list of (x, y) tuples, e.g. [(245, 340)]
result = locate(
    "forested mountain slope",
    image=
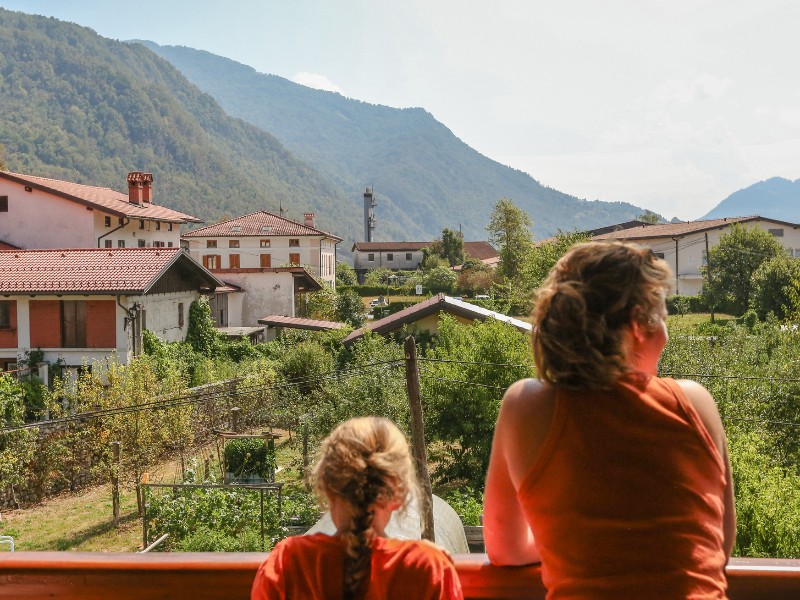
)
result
[(79, 107), (424, 177)]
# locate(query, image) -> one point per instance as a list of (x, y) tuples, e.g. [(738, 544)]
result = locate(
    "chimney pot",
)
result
[(135, 188), (147, 188), (309, 219)]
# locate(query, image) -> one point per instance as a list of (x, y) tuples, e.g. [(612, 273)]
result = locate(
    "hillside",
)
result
[(79, 107), (776, 197), (424, 177)]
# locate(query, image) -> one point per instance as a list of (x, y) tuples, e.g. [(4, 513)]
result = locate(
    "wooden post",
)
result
[(708, 274), (115, 482), (235, 419), (418, 439)]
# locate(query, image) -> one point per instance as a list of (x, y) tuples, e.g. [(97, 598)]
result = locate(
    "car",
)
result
[(481, 296)]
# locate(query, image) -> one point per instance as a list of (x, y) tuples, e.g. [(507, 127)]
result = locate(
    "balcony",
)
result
[(228, 576)]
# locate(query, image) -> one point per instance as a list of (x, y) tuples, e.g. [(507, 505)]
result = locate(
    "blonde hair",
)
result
[(365, 461), (592, 293)]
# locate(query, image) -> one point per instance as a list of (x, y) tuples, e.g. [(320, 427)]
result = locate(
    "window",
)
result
[(141, 243), (158, 225), (294, 243), (169, 244), (294, 258), (233, 243), (211, 243), (371, 257), (266, 261), (233, 261), (659, 255), (408, 256), (169, 227), (211, 261), (141, 223), (158, 244), (265, 243), (776, 232), (121, 221), (120, 243), (3, 203), (390, 256), (180, 315), (109, 244), (5, 314), (73, 324), (107, 221)]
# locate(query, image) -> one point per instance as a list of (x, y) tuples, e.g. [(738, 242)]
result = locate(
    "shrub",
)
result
[(250, 456)]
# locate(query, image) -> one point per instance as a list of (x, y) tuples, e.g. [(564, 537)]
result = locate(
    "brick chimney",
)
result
[(135, 188), (309, 219), (147, 188)]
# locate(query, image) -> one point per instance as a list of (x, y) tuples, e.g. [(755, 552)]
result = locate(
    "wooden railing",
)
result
[(228, 576)]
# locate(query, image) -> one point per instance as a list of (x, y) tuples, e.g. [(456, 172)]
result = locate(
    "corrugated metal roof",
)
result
[(87, 270), (299, 323), (260, 223), (438, 303), (101, 198)]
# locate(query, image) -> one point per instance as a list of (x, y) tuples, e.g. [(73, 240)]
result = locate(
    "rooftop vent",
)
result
[(236, 229), (266, 229)]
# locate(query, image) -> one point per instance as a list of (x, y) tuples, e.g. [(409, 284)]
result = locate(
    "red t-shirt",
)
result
[(627, 497), (312, 567)]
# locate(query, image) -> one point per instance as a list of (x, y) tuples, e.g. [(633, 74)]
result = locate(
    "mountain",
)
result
[(424, 177), (83, 108), (777, 197)]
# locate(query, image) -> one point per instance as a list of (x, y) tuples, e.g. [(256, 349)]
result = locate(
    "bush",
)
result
[(468, 505), (250, 456), (678, 304)]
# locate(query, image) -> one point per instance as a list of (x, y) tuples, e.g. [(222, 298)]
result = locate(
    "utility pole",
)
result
[(418, 439)]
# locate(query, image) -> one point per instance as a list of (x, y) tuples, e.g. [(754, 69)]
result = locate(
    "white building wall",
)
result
[(163, 313), (264, 294), (37, 219), (393, 259), (134, 230), (691, 248)]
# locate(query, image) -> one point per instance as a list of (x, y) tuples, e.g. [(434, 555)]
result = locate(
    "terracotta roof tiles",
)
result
[(680, 229), (86, 270), (260, 223), (102, 198)]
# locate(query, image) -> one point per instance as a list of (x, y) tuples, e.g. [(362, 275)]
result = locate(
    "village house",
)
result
[(683, 245), (407, 256), (37, 212), (268, 263), (86, 304)]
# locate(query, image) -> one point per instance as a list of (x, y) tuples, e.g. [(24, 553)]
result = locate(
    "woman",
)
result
[(616, 480), (365, 473)]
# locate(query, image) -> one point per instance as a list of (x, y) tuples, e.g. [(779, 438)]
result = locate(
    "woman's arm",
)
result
[(519, 434), (707, 410)]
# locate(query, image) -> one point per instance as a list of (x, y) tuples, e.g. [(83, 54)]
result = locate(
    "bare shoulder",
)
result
[(527, 396), (703, 402)]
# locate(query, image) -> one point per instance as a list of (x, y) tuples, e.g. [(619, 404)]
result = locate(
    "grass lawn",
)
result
[(688, 323)]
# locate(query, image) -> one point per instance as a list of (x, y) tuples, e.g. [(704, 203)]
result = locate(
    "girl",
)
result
[(616, 480), (365, 473)]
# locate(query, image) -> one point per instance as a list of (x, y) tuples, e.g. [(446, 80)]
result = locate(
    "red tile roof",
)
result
[(299, 323), (104, 199), (259, 223), (680, 229), (476, 250), (90, 270), (434, 304)]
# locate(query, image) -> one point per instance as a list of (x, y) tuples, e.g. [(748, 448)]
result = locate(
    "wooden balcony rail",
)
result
[(228, 576)]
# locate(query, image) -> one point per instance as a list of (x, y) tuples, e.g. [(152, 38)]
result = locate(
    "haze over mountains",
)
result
[(776, 197)]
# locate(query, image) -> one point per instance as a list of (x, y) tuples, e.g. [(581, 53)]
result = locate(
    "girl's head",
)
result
[(365, 463), (586, 307)]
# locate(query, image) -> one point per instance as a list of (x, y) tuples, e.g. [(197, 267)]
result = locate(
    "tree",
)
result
[(322, 304), (545, 255), (775, 285), (731, 264), (349, 308), (509, 231), (648, 216), (452, 246), (345, 274), (440, 279)]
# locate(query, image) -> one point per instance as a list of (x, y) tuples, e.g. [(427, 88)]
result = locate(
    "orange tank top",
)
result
[(626, 499)]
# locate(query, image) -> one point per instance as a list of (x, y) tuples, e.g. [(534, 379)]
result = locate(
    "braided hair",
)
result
[(365, 462)]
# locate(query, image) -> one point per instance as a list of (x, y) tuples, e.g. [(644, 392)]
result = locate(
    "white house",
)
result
[(683, 245), (37, 212), (407, 256), (80, 305), (268, 263)]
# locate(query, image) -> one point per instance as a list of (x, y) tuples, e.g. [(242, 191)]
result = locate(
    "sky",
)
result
[(671, 106)]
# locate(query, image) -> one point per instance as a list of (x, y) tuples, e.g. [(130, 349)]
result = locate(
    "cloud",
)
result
[(318, 82), (788, 116)]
